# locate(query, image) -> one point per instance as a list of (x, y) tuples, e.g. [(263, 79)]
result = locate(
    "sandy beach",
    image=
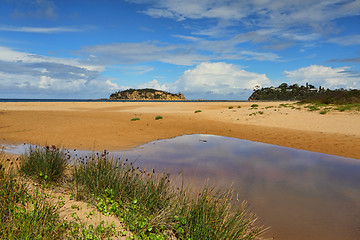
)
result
[(108, 125)]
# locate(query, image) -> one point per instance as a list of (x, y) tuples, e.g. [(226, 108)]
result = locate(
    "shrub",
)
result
[(254, 106), (135, 119), (43, 163), (158, 117), (198, 111), (230, 107)]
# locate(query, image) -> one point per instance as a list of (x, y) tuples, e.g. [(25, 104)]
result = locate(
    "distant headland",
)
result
[(146, 94), (306, 93)]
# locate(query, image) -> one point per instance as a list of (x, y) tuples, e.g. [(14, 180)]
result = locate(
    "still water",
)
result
[(300, 194)]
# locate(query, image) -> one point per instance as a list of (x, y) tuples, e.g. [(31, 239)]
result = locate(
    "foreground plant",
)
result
[(43, 163), (212, 215), (24, 215), (152, 209)]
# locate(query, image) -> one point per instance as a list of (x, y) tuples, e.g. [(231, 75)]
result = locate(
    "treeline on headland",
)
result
[(145, 94), (306, 93)]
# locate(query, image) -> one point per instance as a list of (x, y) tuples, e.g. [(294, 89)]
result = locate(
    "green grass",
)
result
[(43, 163), (148, 205), (24, 215), (323, 112), (158, 117), (135, 119), (212, 216), (198, 111), (258, 112), (348, 107)]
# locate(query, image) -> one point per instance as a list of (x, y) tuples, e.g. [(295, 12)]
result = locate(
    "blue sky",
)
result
[(205, 49)]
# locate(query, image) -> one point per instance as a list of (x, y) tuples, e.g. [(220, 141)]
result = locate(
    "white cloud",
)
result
[(346, 40), (187, 54), (219, 81), (302, 20), (35, 76), (38, 29), (327, 77), (133, 53), (155, 85)]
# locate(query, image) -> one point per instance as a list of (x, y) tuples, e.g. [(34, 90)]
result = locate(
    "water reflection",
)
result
[(301, 194)]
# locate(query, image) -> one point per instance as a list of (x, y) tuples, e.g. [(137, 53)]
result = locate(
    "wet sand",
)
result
[(107, 125)]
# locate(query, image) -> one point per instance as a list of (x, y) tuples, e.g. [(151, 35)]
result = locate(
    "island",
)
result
[(146, 94)]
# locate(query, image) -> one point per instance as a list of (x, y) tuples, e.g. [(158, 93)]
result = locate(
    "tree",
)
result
[(257, 87), (283, 85)]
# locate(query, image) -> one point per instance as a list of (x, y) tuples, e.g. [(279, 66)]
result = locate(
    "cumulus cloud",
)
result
[(327, 77), (155, 85), (37, 76), (219, 80)]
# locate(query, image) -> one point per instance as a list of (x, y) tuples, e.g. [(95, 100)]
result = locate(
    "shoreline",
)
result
[(107, 125)]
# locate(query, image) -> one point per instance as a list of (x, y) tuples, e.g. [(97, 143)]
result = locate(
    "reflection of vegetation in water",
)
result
[(144, 201)]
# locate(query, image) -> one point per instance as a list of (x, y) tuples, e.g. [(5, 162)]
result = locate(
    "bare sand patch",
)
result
[(107, 125)]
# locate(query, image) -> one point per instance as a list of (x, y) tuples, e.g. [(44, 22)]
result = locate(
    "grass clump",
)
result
[(212, 216), (198, 111), (134, 119), (152, 209), (231, 107), (254, 106), (141, 200), (158, 117), (25, 216), (43, 163), (323, 112)]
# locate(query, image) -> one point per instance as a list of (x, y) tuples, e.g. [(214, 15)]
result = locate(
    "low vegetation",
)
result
[(47, 164), (158, 117), (24, 215), (198, 111), (308, 93), (145, 202), (134, 119)]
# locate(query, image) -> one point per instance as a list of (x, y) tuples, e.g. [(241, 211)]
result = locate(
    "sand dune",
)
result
[(107, 125)]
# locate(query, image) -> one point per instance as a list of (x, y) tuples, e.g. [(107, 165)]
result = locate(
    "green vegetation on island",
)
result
[(145, 94)]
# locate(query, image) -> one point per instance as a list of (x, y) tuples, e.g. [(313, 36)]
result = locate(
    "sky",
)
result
[(204, 49)]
